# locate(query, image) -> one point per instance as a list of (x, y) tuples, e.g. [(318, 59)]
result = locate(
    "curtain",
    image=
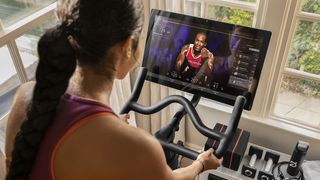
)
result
[(121, 92), (2, 165), (152, 92)]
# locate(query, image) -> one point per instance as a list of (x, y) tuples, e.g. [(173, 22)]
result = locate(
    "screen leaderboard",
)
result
[(215, 60)]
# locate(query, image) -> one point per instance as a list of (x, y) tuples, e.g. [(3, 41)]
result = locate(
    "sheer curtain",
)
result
[(2, 165), (121, 92), (152, 92)]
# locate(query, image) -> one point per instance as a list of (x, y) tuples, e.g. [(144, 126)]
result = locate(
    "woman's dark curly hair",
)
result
[(94, 27)]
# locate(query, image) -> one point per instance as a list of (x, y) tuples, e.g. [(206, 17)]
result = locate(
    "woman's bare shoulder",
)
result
[(110, 148), (24, 92), (17, 114), (21, 100)]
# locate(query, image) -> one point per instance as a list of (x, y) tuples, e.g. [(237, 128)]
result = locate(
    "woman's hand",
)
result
[(125, 118), (209, 160)]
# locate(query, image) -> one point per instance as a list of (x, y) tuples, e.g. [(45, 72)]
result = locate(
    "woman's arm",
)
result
[(17, 115), (106, 148), (152, 161), (205, 161)]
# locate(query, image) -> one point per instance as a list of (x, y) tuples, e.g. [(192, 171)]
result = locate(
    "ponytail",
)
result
[(96, 27), (57, 62)]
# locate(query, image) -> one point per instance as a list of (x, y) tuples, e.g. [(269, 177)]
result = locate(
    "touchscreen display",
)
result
[(215, 60)]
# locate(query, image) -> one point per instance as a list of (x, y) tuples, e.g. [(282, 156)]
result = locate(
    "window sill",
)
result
[(285, 125), (271, 122)]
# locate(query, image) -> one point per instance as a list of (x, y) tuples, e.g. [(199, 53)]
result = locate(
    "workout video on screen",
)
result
[(212, 59)]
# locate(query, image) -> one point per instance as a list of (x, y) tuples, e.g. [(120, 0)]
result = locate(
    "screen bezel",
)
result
[(195, 21)]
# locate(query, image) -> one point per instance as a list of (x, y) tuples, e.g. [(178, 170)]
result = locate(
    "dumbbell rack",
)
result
[(225, 173)]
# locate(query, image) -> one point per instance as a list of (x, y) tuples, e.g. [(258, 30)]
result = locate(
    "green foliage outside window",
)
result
[(310, 61), (306, 87), (305, 47), (305, 44), (312, 6), (230, 15), (305, 51)]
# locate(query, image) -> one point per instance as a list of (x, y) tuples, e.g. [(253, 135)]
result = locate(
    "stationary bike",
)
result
[(166, 134)]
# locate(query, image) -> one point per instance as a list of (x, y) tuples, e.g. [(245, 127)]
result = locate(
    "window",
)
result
[(27, 45), (230, 15), (18, 41), (241, 12), (13, 10), (8, 80), (291, 84), (299, 94), (193, 8)]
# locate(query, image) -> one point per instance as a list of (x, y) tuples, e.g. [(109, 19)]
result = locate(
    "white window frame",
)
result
[(298, 15), (259, 10), (8, 36), (269, 82), (256, 8), (279, 47)]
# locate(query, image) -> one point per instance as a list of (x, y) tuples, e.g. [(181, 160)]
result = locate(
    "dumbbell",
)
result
[(271, 159), (250, 170)]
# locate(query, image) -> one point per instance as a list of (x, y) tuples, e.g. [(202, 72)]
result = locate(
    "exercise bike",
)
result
[(166, 134)]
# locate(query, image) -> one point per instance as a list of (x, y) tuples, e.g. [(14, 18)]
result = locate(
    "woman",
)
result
[(68, 131)]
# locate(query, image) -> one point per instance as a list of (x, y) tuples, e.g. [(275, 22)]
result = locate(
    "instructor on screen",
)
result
[(195, 62)]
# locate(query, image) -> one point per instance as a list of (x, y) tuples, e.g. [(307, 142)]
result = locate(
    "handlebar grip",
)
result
[(232, 127)]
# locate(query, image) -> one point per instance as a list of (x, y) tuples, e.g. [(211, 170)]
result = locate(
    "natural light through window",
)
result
[(27, 45), (12, 11), (193, 8), (230, 15), (19, 55), (9, 80), (299, 94)]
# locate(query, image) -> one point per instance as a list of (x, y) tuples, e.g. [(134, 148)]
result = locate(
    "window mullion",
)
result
[(277, 22), (17, 61), (154, 4), (26, 24), (309, 16), (260, 14), (284, 47), (301, 75), (173, 5), (162, 4), (203, 12), (16, 58)]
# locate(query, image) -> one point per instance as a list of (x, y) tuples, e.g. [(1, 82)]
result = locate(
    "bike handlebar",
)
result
[(224, 138)]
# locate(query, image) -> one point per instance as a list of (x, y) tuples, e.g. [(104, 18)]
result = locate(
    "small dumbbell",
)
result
[(271, 159), (250, 170)]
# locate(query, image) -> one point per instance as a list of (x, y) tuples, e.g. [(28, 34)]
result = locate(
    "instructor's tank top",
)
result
[(72, 113)]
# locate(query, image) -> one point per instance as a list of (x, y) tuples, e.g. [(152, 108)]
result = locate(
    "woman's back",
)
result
[(73, 112), (88, 141), (110, 149)]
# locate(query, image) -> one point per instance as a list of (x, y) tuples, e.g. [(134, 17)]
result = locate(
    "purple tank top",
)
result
[(72, 111)]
